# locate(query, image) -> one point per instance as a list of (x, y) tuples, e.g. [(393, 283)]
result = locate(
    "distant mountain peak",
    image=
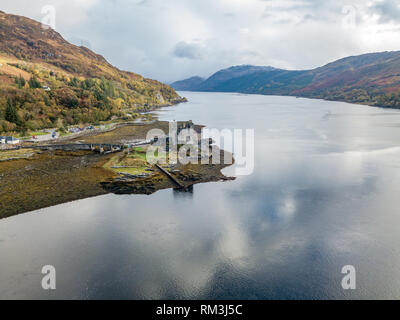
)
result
[(250, 66)]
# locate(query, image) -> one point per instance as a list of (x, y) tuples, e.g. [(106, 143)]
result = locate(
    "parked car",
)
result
[(74, 130)]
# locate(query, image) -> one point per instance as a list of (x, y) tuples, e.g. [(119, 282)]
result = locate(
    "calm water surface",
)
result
[(324, 194)]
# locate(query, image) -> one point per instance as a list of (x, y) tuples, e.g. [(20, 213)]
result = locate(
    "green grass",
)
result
[(39, 133), (134, 163), (137, 153)]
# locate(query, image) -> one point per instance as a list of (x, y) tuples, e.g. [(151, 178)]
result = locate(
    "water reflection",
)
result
[(324, 195)]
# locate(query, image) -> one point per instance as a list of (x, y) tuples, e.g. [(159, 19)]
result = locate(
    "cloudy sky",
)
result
[(172, 39)]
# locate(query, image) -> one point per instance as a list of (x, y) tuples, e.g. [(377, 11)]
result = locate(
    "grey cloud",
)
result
[(388, 10), (191, 51), (296, 11), (175, 39)]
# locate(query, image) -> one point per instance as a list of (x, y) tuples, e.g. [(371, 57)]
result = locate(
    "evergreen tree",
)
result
[(11, 114), (74, 82), (20, 81), (34, 83)]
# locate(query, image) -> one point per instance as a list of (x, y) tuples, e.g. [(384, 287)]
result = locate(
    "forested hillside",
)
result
[(46, 82)]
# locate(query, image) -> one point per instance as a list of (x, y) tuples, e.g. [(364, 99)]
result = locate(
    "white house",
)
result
[(9, 140)]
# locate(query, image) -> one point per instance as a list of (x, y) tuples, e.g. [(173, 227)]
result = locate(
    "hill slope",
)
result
[(80, 85), (369, 79)]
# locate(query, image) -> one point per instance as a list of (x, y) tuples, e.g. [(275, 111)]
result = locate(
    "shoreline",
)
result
[(298, 97), (114, 124), (40, 179)]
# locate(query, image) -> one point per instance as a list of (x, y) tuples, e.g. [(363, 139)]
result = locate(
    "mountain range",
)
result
[(372, 79), (47, 82)]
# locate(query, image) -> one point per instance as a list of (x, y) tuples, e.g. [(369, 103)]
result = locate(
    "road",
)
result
[(43, 138)]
